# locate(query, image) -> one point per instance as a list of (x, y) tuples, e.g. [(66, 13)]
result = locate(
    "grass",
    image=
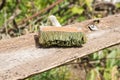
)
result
[(61, 73)]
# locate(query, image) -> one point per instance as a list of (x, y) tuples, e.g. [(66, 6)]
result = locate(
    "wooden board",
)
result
[(19, 58)]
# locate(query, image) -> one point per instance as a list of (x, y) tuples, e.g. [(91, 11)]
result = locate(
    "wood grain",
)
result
[(19, 58)]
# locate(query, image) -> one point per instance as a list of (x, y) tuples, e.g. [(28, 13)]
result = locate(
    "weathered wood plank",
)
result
[(19, 58)]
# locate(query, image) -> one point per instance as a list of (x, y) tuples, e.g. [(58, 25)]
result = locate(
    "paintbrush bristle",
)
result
[(61, 39)]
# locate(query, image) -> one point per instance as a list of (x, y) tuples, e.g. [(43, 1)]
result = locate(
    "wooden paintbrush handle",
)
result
[(64, 29)]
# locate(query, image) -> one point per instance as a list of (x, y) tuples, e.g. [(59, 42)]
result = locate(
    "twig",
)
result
[(42, 11), (90, 61)]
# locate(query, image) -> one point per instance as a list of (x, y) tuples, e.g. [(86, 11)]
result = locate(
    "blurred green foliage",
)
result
[(108, 69), (61, 73), (67, 12)]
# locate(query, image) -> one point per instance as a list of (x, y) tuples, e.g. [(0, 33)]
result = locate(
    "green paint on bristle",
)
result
[(61, 39)]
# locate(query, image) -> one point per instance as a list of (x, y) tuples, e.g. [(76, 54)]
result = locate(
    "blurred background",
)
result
[(20, 17)]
